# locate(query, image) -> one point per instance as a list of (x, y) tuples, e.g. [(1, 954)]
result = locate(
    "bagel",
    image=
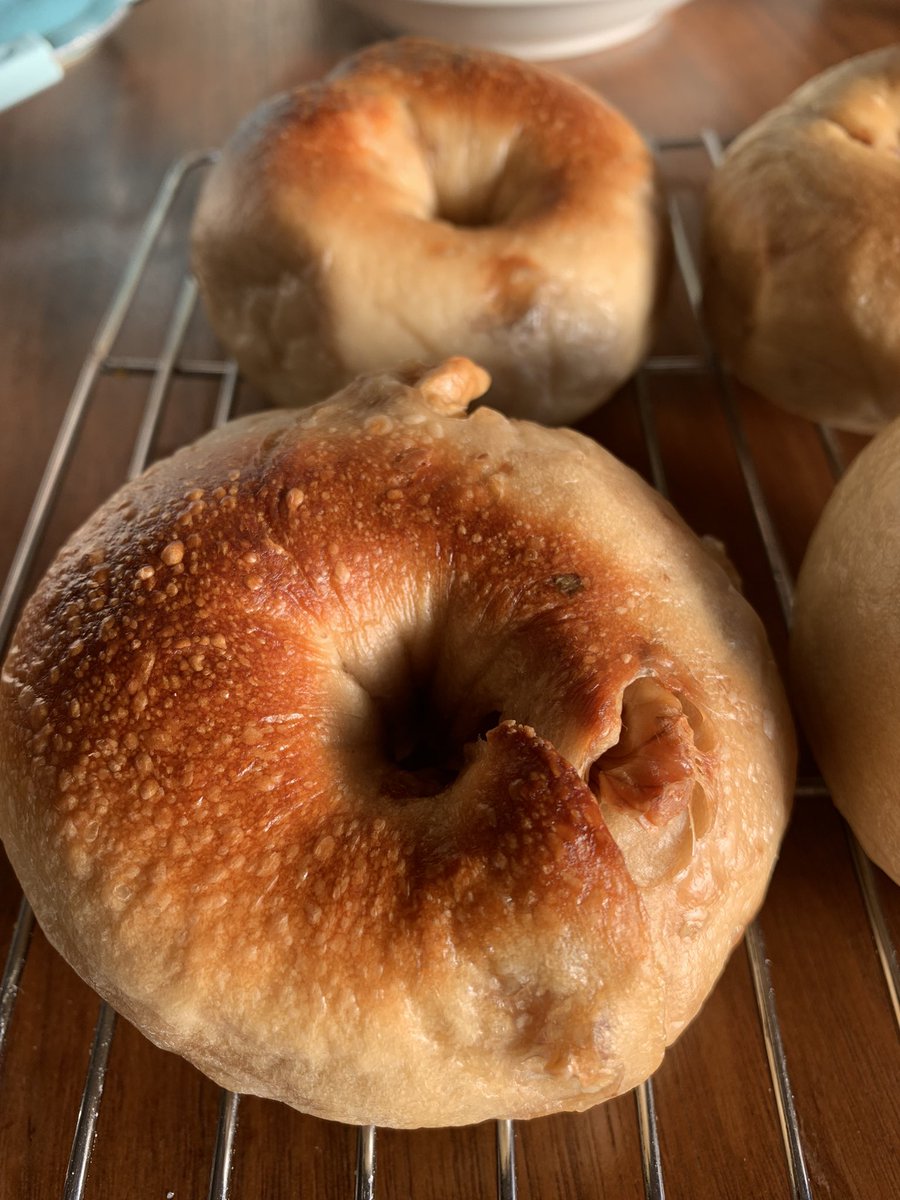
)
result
[(423, 201), (410, 767), (845, 647), (802, 273)]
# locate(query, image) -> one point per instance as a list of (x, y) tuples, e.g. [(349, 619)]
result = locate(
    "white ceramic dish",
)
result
[(527, 28)]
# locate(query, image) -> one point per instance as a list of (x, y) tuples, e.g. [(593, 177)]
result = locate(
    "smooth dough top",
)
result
[(802, 272), (846, 647)]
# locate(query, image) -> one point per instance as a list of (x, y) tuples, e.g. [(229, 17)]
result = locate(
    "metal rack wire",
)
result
[(161, 371)]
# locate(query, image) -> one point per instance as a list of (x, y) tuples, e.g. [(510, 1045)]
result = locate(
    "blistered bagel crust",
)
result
[(312, 759)]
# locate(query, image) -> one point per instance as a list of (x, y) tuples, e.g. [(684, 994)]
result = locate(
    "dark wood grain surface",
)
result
[(80, 165)]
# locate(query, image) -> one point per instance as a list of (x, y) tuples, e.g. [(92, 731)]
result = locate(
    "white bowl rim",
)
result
[(521, 3)]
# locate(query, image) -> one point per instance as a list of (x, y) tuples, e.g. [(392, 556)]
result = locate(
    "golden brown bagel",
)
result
[(846, 647), (407, 766), (802, 275), (426, 200)]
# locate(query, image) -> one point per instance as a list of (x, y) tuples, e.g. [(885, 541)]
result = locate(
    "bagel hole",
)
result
[(467, 212), (423, 743), (485, 195)]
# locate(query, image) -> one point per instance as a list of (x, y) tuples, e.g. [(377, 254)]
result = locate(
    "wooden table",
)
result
[(81, 164)]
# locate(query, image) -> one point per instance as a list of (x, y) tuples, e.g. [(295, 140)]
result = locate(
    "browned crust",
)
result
[(427, 200), (588, 152), (196, 795)]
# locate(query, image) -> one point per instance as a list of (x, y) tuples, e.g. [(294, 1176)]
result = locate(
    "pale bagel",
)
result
[(426, 200), (846, 647), (802, 271)]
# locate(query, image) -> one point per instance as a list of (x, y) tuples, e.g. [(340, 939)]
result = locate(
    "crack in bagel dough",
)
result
[(411, 766), (424, 201)]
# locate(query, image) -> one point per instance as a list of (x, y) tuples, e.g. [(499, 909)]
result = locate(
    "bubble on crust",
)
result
[(488, 416), (380, 423), (770, 725), (173, 553), (37, 714), (324, 848), (269, 864), (293, 498)]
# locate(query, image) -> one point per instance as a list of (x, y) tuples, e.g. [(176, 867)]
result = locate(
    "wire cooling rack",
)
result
[(158, 372)]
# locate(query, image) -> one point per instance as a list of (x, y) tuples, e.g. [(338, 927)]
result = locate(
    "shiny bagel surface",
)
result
[(408, 766)]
